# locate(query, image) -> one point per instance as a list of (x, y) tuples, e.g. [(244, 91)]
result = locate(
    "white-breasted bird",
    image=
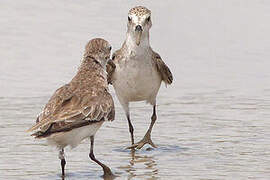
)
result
[(138, 70)]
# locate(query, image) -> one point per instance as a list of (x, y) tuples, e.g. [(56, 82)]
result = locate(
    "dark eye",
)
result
[(110, 48), (148, 19), (129, 18)]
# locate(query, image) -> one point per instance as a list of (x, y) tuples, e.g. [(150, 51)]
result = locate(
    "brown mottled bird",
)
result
[(78, 109), (138, 70)]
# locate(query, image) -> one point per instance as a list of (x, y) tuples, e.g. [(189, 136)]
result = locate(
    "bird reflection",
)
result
[(150, 166), (111, 177)]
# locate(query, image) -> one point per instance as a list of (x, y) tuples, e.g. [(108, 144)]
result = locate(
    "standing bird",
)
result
[(138, 70), (78, 109)]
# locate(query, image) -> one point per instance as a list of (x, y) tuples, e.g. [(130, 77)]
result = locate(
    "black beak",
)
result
[(138, 28)]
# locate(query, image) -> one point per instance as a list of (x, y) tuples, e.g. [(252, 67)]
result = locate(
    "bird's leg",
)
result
[(147, 137), (63, 161), (107, 171), (131, 129)]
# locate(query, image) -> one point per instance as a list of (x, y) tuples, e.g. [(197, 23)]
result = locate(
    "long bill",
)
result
[(138, 35)]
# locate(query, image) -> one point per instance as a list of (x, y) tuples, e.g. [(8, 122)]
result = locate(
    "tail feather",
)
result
[(38, 125)]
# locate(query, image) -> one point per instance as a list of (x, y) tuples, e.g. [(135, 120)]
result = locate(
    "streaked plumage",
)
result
[(78, 109), (138, 71)]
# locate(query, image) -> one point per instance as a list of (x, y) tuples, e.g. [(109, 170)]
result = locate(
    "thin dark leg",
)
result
[(147, 137), (107, 171), (131, 130), (153, 120), (63, 161)]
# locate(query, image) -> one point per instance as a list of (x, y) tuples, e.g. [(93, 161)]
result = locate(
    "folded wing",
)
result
[(163, 69), (66, 110)]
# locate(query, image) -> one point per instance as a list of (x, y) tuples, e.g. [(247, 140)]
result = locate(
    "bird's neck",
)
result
[(131, 46), (89, 69)]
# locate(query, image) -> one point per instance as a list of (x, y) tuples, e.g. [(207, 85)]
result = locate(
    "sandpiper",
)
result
[(138, 70), (78, 109)]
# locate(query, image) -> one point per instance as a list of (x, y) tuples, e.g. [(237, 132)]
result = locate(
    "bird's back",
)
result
[(85, 100)]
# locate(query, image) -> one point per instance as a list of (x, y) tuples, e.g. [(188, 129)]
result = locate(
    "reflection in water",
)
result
[(145, 163), (85, 174), (149, 166)]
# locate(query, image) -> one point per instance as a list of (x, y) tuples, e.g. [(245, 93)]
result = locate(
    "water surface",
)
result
[(213, 122)]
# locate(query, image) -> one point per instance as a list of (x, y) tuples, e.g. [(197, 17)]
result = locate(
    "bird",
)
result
[(136, 71), (78, 109)]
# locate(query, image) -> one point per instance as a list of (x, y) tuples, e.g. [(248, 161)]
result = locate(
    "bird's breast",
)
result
[(136, 78)]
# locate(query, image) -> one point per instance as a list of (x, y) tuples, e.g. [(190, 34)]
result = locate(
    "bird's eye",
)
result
[(110, 48), (148, 19), (129, 18)]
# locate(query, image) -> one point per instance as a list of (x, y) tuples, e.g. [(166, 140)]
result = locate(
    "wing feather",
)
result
[(110, 68), (69, 114), (163, 69)]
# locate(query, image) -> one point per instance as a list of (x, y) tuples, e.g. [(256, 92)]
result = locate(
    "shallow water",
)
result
[(213, 122)]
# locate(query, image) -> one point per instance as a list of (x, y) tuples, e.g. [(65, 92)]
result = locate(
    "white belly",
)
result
[(73, 137), (136, 81)]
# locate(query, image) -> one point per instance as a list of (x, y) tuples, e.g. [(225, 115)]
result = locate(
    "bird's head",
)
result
[(99, 49), (139, 22)]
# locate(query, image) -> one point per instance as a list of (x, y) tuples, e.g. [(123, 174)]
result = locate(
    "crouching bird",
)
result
[(78, 109), (138, 70)]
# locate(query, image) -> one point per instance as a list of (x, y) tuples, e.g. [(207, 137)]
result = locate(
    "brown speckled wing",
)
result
[(110, 70), (60, 97), (163, 69), (66, 111)]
